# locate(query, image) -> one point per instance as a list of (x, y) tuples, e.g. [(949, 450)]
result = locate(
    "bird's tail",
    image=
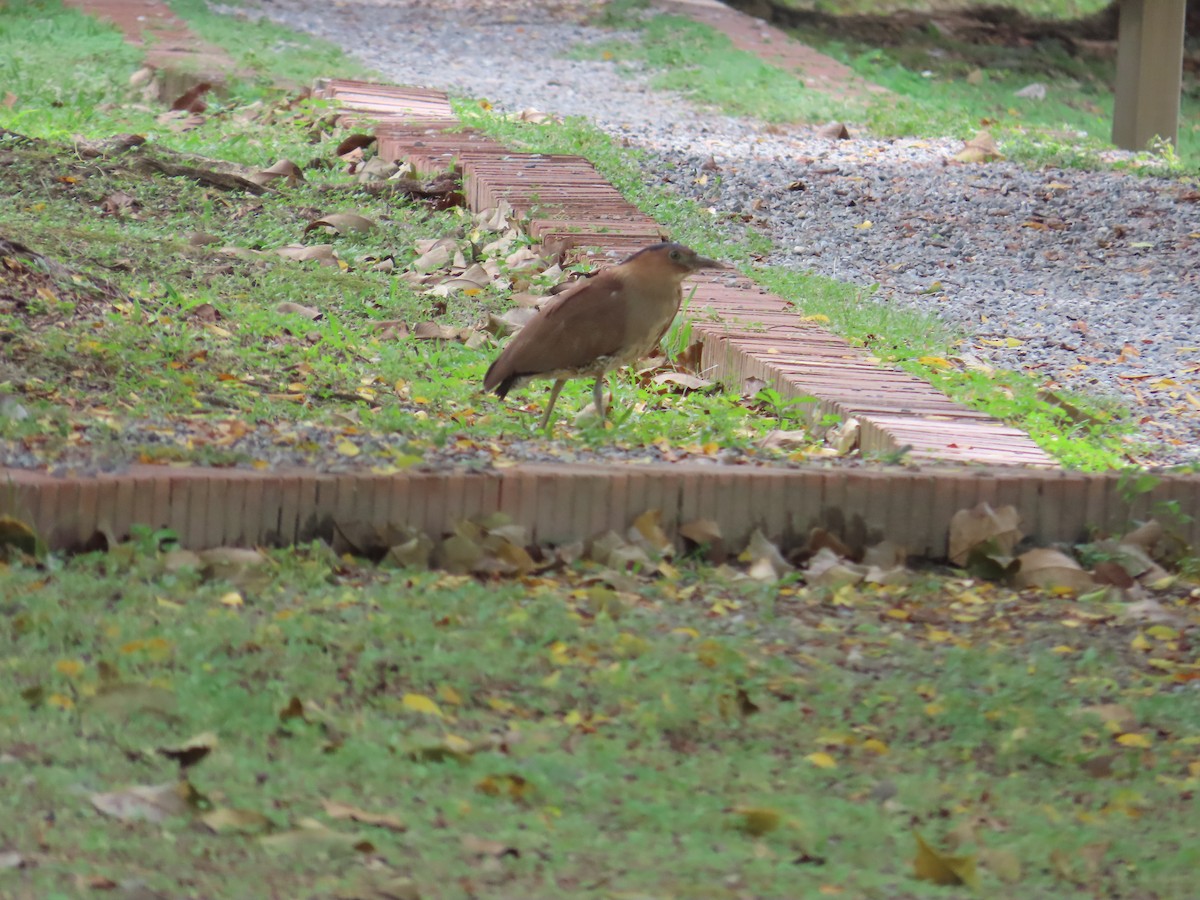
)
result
[(498, 380)]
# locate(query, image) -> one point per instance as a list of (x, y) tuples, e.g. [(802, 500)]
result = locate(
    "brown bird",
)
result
[(599, 324)]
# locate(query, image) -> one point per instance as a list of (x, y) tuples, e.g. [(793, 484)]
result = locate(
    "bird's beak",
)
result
[(703, 262)]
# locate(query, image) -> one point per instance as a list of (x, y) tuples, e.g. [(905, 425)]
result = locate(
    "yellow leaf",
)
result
[(1140, 642), (1162, 632), (69, 667), (62, 701), (1134, 739), (347, 448), (934, 709), (450, 695), (1062, 648), (876, 746), (757, 821), (866, 224), (822, 760), (929, 865), (419, 703), (233, 600), (936, 362)]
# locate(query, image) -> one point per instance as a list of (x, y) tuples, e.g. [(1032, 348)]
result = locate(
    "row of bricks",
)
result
[(563, 503)]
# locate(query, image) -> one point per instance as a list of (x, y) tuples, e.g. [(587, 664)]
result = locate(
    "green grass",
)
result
[(941, 87), (701, 63), (153, 357), (617, 733), (951, 88), (924, 346)]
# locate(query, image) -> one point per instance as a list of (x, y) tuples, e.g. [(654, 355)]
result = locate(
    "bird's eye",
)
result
[(675, 255)]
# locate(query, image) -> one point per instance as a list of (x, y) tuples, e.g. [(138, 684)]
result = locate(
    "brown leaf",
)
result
[(309, 834), (288, 307), (180, 121), (354, 142), (336, 810), (826, 568), (834, 131), (1050, 569), (190, 101), (225, 820), (701, 531), (119, 202), (432, 331), (819, 538), (970, 528), (147, 803), (513, 320), (766, 562), (648, 532), (342, 223), (434, 255), (322, 253), (930, 865), (1145, 536), (683, 380), (285, 169), (1109, 572), (979, 149)]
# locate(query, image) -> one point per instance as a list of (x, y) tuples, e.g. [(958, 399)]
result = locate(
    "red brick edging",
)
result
[(568, 502)]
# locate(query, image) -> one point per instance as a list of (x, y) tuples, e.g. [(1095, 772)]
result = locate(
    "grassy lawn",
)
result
[(302, 724), (200, 337), (344, 730)]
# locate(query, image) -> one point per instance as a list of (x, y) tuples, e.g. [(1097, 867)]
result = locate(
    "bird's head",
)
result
[(673, 258)]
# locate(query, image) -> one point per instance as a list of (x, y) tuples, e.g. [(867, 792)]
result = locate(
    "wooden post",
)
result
[(1149, 72)]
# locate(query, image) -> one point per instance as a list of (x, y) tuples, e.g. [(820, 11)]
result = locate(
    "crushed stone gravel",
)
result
[(1095, 273)]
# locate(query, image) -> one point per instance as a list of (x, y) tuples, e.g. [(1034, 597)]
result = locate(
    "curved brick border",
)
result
[(747, 331), (568, 502), (561, 503)]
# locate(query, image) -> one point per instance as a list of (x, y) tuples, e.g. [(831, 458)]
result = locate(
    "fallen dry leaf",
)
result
[(285, 169), (1051, 569), (930, 865), (224, 820), (979, 149), (336, 810), (322, 253), (342, 223), (147, 803), (971, 528)]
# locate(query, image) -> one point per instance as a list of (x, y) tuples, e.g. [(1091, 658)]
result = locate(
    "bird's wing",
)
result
[(571, 331)]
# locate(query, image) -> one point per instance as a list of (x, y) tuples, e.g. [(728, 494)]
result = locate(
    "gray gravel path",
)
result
[(1096, 273)]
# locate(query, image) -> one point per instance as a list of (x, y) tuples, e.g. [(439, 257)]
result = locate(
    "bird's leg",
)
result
[(598, 396), (558, 386)]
